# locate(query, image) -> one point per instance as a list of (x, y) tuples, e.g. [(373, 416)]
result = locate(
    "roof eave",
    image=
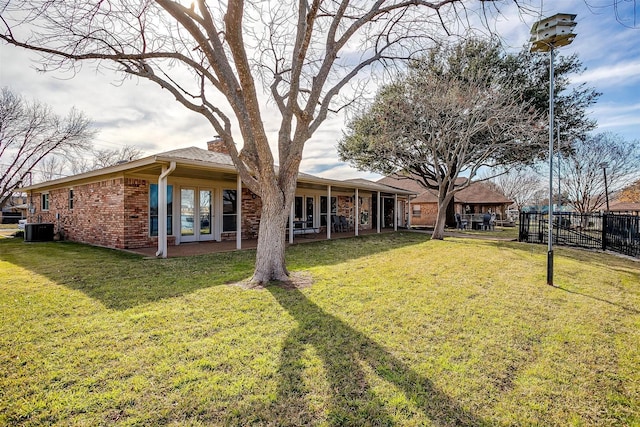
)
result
[(94, 173)]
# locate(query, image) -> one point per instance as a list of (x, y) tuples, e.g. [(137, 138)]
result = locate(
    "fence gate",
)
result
[(619, 233)]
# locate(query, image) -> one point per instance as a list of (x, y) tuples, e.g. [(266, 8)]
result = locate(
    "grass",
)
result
[(396, 330), (497, 232)]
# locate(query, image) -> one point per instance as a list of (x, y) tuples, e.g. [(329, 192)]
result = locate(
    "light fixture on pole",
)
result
[(547, 35), (604, 165)]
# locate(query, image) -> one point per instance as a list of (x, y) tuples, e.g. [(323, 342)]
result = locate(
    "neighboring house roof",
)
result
[(624, 206), (479, 192), (475, 193), (197, 162)]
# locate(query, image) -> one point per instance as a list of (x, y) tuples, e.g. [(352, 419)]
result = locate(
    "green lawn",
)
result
[(395, 330)]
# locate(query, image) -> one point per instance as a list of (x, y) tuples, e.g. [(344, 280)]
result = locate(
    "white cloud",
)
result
[(139, 113), (620, 74)]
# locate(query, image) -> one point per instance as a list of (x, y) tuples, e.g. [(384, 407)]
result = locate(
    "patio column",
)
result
[(408, 212), (239, 217), (395, 212), (162, 209), (329, 219), (356, 220), (291, 220), (378, 213)]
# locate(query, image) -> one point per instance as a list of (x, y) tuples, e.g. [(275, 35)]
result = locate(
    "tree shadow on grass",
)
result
[(348, 357), (120, 280)]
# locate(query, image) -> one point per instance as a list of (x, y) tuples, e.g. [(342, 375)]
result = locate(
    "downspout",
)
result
[(162, 209)]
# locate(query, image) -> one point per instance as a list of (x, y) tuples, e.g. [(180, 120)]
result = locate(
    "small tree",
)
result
[(448, 117), (30, 133), (583, 169)]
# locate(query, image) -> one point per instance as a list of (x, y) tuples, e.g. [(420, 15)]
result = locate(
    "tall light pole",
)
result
[(559, 171), (547, 35), (604, 165)]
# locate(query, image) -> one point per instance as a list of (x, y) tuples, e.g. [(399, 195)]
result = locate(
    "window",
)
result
[(415, 209), (153, 209), (323, 209), (229, 210), (45, 202), (297, 212), (71, 199), (309, 210)]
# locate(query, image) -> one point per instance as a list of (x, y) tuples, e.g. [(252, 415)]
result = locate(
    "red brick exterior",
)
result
[(218, 146), (251, 212), (427, 217), (115, 213), (112, 213)]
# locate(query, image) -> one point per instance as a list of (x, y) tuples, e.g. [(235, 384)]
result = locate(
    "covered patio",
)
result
[(210, 247)]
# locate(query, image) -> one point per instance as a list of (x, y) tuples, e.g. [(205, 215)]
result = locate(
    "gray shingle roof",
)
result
[(195, 153)]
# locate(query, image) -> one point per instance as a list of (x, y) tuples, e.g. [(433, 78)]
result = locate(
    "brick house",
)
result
[(195, 193), (470, 202)]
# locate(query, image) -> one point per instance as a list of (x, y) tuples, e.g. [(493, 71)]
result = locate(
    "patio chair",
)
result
[(335, 224), (344, 225)]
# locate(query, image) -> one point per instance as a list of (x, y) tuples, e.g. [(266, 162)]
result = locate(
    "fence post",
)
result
[(604, 231)]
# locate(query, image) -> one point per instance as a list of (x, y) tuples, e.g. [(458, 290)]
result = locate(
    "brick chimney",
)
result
[(217, 145)]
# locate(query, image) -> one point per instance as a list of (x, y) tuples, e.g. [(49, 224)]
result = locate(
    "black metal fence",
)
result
[(619, 233)]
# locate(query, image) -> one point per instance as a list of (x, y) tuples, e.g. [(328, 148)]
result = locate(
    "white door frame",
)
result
[(197, 235)]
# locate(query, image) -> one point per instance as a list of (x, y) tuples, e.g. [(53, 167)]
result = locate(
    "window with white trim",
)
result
[(229, 210)]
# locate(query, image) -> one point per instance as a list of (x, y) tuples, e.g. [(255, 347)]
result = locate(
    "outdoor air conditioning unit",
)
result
[(38, 232)]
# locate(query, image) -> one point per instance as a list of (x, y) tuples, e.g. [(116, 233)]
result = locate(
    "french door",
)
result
[(196, 214)]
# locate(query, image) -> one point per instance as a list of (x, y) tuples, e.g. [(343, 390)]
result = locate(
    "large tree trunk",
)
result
[(441, 218), (270, 255)]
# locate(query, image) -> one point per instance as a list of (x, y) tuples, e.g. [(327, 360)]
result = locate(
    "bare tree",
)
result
[(303, 53), (30, 133), (98, 158), (52, 167), (517, 184), (583, 170), (440, 123)]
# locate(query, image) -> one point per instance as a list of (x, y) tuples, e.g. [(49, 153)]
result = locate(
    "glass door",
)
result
[(205, 215), (187, 214), (196, 214)]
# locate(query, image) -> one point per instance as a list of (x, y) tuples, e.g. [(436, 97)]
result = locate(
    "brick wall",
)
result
[(428, 215), (136, 214), (251, 212), (346, 208), (97, 216), (218, 146)]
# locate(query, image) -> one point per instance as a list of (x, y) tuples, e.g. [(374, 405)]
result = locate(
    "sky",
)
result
[(138, 113)]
